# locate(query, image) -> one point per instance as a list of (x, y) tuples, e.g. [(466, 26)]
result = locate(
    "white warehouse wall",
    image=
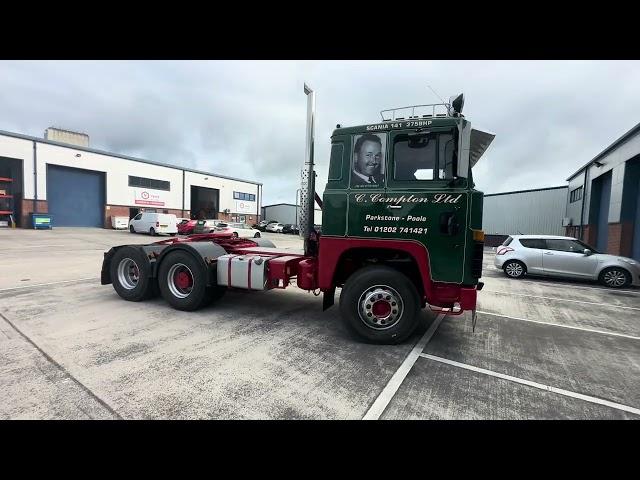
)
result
[(118, 191), (117, 171), (226, 188)]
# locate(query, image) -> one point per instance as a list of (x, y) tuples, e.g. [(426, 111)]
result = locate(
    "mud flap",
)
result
[(328, 298), (474, 317)]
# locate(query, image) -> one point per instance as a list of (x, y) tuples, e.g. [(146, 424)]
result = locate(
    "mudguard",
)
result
[(206, 252), (150, 252)]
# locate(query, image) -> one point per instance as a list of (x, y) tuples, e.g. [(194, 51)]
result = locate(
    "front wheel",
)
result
[(235, 234), (257, 235), (131, 229), (615, 277), (380, 305)]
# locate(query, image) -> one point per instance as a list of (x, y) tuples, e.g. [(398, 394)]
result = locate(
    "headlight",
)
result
[(629, 261)]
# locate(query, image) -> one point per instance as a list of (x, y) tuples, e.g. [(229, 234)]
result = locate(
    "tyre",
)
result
[(183, 282), (152, 232), (131, 229), (514, 269), (235, 234), (380, 305), (130, 275), (615, 277), (257, 235)]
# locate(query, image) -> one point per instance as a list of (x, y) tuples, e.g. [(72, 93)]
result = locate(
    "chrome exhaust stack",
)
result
[(307, 188)]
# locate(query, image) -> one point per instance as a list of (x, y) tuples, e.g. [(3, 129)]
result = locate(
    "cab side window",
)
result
[(414, 158), (138, 216)]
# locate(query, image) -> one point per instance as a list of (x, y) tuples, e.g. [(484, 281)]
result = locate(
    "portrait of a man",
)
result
[(368, 161)]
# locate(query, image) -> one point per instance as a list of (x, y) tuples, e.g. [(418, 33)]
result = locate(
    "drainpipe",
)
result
[(183, 194), (35, 178), (584, 195)]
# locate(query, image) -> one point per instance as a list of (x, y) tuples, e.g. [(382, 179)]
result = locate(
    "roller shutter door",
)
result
[(75, 197)]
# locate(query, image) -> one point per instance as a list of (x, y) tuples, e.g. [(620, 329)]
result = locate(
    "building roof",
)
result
[(611, 147), (525, 191), (118, 155), (288, 204)]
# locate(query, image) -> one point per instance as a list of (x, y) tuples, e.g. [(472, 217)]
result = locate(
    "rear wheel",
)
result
[(183, 282), (235, 234), (615, 277), (152, 232), (130, 275), (514, 269), (257, 235), (380, 305)]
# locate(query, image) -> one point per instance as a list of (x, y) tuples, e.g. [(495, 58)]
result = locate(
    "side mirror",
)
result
[(587, 252)]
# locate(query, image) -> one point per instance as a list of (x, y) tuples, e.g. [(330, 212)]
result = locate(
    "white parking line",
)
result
[(562, 299), (45, 284), (560, 325), (568, 285), (541, 386), (380, 404)]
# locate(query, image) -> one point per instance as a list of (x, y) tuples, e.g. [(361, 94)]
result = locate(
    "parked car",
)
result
[(154, 223), (186, 226), (262, 226), (275, 227), (206, 226), (290, 228), (566, 257), (237, 229)]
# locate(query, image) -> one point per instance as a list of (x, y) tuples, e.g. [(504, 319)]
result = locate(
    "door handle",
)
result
[(394, 206), (548, 253)]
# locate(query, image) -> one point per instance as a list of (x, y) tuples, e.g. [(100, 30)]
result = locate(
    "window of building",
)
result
[(249, 197), (575, 195), (149, 183)]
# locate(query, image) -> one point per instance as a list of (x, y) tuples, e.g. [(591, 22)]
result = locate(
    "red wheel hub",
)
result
[(381, 308), (183, 280)]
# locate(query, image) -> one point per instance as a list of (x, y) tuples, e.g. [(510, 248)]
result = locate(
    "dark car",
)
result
[(290, 228)]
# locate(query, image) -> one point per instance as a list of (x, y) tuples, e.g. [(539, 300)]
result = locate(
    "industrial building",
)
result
[(603, 205), (538, 211), (287, 213), (79, 186)]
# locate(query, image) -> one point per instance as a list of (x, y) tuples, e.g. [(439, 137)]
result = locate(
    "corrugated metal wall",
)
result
[(534, 212), (286, 213)]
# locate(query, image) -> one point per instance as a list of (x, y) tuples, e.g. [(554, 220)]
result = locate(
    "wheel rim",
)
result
[(514, 269), (615, 278), (380, 307), (128, 273), (180, 280)]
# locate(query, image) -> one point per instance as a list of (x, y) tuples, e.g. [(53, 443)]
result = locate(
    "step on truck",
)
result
[(401, 230)]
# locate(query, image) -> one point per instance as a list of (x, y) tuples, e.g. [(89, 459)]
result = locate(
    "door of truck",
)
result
[(422, 201)]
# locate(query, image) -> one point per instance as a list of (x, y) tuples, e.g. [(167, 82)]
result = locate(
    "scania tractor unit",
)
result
[(401, 230)]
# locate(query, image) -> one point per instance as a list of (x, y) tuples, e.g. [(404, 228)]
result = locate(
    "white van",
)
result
[(154, 223)]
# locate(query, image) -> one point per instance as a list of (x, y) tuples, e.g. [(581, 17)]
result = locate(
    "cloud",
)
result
[(247, 118)]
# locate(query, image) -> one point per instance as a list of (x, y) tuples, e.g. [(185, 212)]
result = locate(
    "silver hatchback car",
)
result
[(564, 257)]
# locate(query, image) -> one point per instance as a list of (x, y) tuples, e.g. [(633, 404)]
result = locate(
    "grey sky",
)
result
[(247, 118)]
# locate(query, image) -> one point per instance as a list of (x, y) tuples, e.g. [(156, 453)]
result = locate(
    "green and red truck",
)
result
[(401, 230)]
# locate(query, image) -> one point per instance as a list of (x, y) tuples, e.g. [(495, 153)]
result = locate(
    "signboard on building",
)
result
[(242, 206), (145, 196)]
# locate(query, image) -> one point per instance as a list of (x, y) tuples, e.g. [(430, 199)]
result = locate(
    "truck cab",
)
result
[(400, 195)]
